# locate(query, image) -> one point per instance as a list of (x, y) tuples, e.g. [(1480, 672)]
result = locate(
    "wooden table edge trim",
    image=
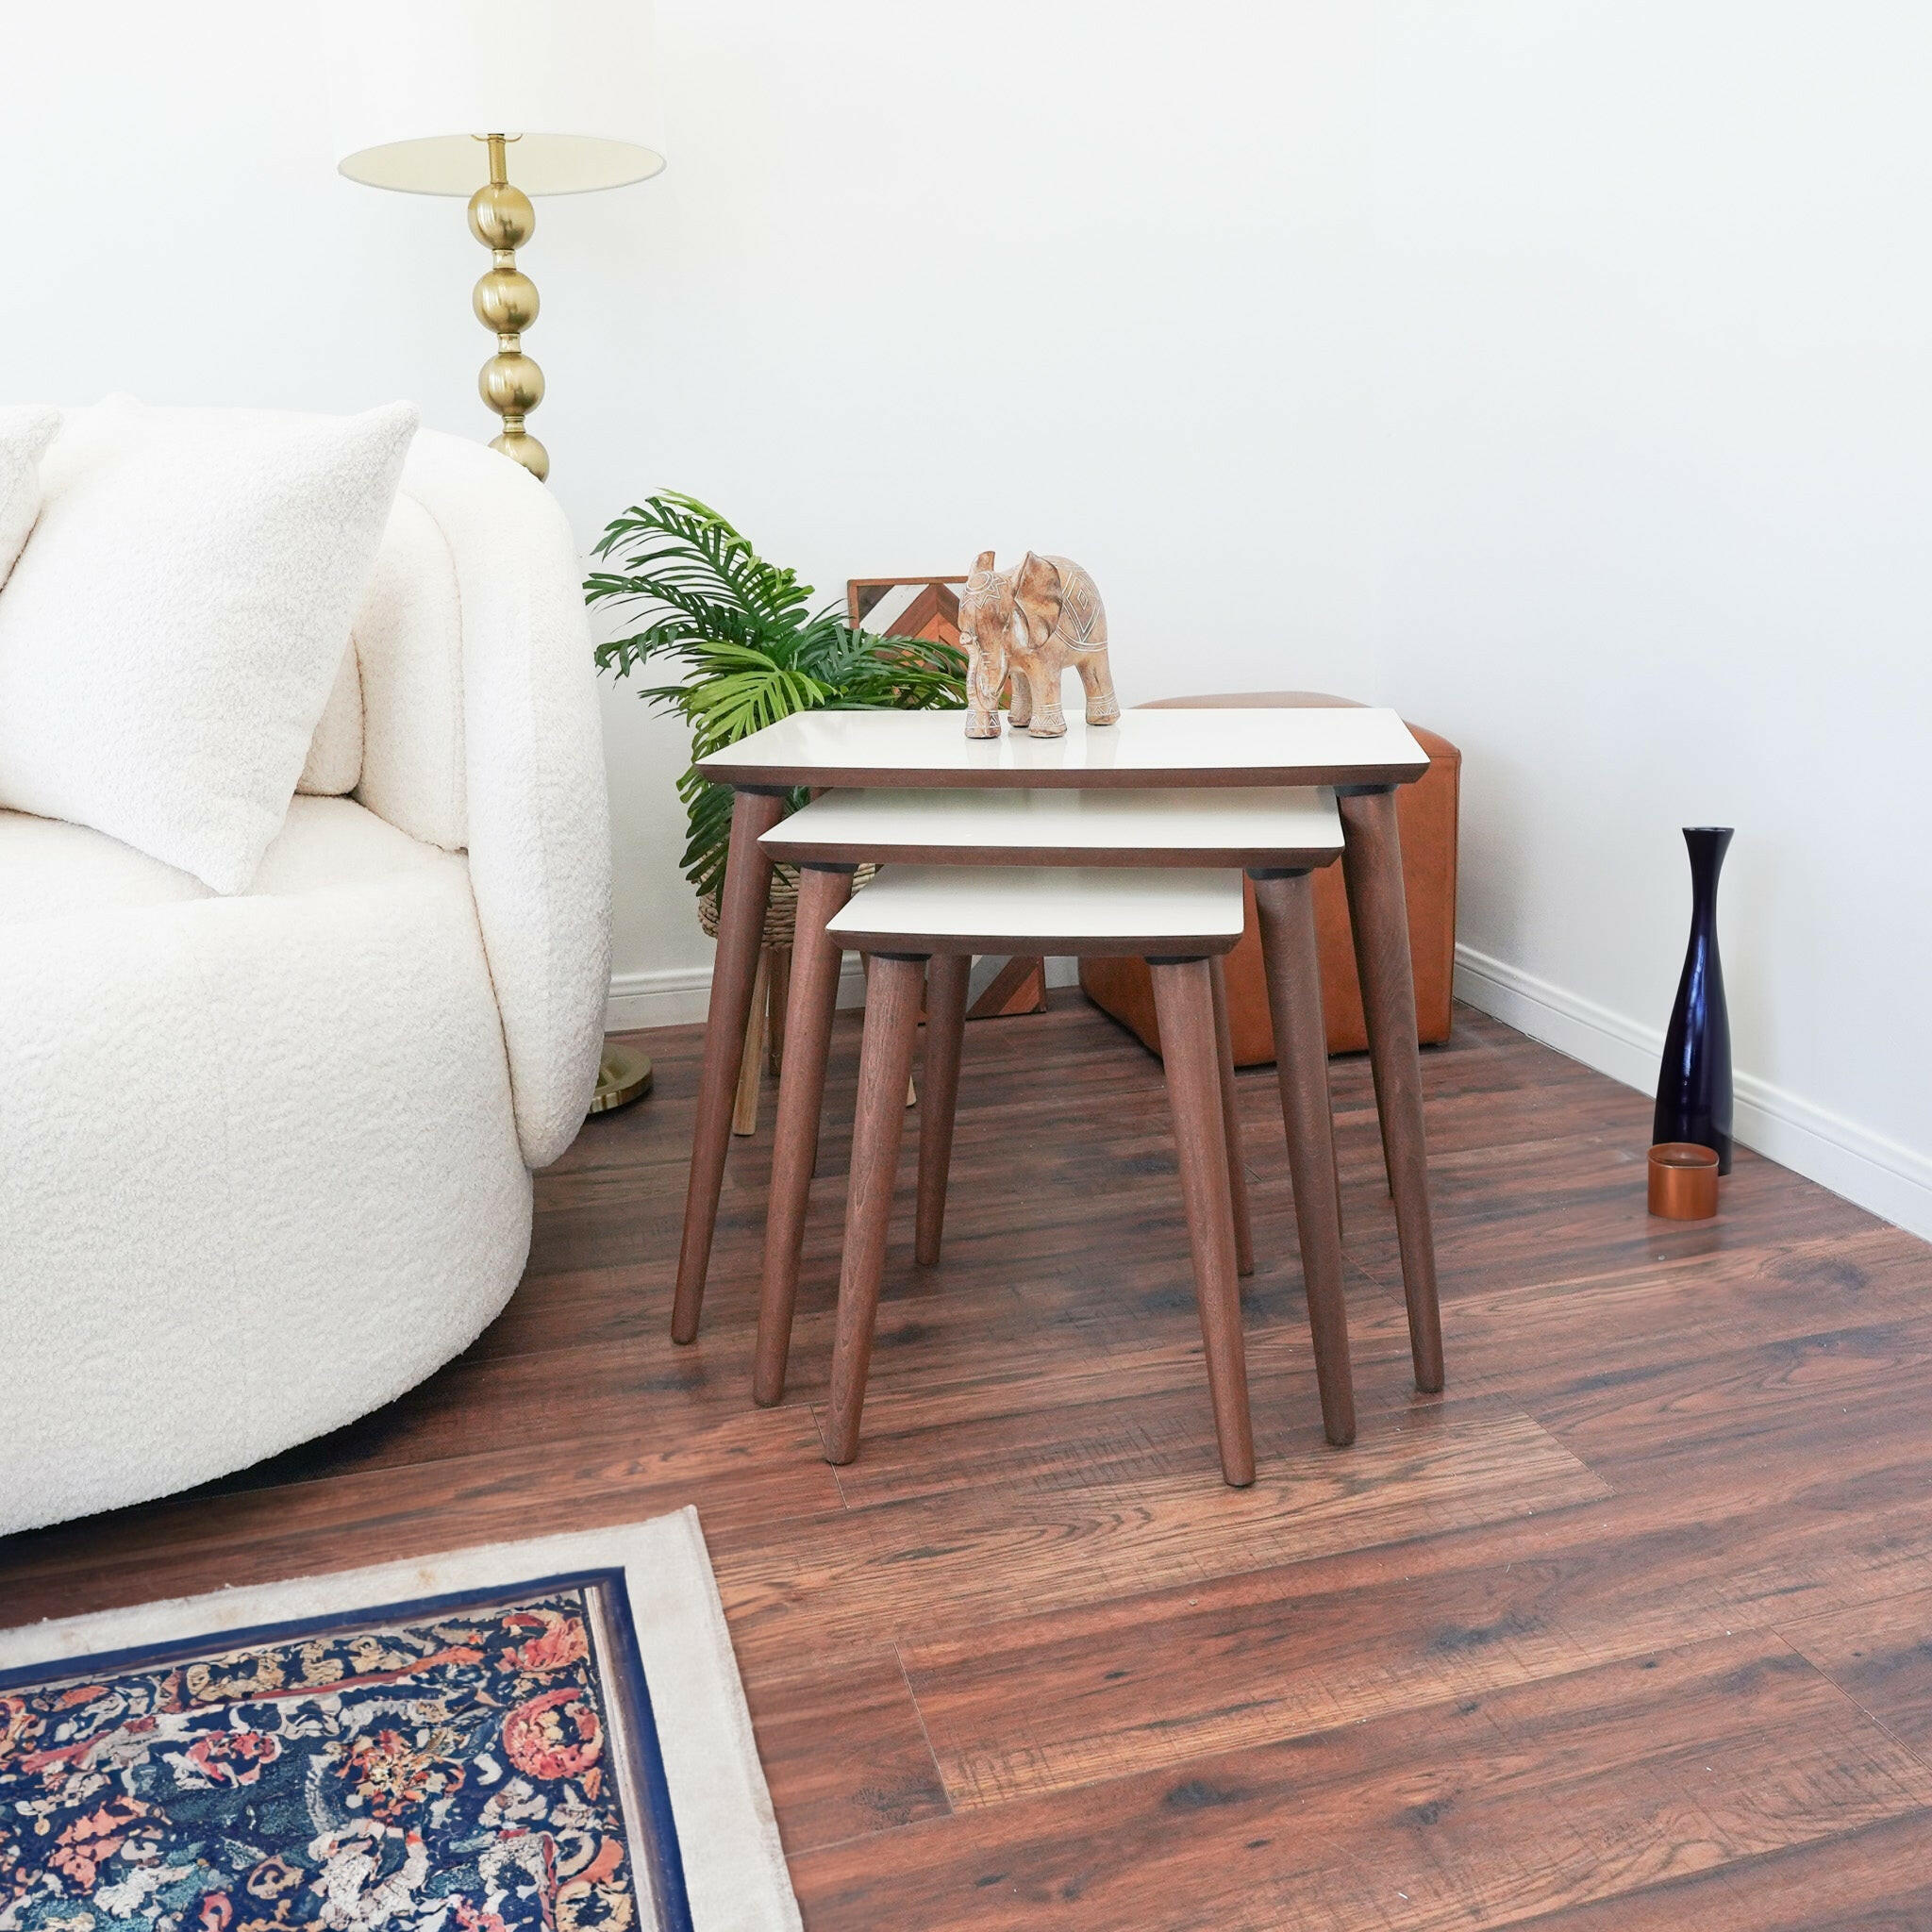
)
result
[(1179, 859), (927, 946), (750, 777)]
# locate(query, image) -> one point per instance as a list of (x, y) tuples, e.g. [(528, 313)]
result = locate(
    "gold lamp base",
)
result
[(623, 1074)]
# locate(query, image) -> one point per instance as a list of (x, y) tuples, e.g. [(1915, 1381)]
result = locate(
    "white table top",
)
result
[(1057, 909), (1342, 746), (1228, 825)]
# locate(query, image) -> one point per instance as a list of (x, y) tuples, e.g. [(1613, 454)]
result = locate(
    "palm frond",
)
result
[(743, 649), (686, 550)]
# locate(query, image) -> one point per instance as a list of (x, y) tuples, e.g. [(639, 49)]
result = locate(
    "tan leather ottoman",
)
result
[(1427, 813)]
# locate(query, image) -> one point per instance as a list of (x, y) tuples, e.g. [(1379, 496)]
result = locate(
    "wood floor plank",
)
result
[(1879, 1879), (1880, 1656), (1134, 1411), (1535, 1340), (1101, 1691), (1069, 1696), (844, 1746), (1121, 1686), (1575, 1207), (1804, 1409), (967, 1557), (211, 1539), (962, 1346), (1489, 1810)]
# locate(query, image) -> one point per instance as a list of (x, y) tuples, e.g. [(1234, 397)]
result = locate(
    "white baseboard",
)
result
[(674, 996), (1876, 1173), (678, 995)]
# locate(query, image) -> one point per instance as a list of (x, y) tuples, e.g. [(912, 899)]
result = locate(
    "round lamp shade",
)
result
[(571, 82)]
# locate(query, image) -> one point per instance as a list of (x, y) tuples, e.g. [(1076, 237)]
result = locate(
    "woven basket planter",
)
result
[(766, 1039), (781, 911)]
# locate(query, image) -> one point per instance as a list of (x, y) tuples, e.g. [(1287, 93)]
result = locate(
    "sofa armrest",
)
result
[(538, 821)]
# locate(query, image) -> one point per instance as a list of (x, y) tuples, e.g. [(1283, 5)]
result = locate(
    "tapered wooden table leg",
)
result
[(946, 976), (1184, 1005), (885, 1061), (1372, 868), (911, 1085), (741, 933), (1285, 906), (1231, 1121), (814, 995)]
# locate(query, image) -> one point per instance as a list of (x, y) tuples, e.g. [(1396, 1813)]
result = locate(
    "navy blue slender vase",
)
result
[(1693, 1089)]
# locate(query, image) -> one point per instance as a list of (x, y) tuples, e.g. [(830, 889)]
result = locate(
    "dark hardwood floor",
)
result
[(1631, 1628)]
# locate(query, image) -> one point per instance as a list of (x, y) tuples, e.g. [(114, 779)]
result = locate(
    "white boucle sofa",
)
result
[(265, 1160)]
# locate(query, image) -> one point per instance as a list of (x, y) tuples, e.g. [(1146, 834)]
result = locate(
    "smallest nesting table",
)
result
[(911, 916)]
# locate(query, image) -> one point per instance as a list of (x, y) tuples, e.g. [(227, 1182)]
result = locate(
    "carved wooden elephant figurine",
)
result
[(1028, 624)]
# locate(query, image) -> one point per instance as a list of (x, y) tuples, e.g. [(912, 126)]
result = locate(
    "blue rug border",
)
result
[(666, 1854)]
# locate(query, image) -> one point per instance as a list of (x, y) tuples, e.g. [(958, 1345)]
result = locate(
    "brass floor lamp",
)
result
[(453, 97)]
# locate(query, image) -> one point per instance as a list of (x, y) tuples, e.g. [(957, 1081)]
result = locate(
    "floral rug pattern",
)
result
[(451, 1775)]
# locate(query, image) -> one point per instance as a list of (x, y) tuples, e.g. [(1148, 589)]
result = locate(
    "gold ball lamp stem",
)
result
[(505, 300)]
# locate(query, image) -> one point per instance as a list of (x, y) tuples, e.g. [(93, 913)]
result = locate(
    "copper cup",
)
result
[(1683, 1181)]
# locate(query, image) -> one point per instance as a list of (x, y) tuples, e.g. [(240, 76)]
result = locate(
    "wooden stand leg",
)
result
[(741, 930), (778, 998), (885, 1059), (1231, 1122), (1285, 906), (751, 1064), (1184, 1005), (1372, 869), (821, 891), (1018, 987), (946, 976)]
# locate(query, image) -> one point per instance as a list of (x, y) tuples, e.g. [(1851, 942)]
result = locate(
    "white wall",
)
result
[(1653, 478), (918, 279), (1551, 368)]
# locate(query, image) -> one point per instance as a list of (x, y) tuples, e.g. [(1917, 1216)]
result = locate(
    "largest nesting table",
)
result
[(1363, 753)]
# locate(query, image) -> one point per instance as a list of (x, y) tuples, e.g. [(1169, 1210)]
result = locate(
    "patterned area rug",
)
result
[(538, 1736)]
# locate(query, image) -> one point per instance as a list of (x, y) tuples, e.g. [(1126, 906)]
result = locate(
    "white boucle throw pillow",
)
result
[(334, 765), (172, 630), (24, 434)]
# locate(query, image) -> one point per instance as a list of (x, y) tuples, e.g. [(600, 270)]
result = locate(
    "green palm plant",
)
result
[(749, 650)]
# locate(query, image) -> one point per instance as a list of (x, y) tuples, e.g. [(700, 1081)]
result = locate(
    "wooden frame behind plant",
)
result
[(932, 610)]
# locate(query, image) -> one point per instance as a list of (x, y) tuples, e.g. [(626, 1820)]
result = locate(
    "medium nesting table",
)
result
[(1363, 753)]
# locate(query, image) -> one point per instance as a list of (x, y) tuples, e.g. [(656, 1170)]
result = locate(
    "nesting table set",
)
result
[(1125, 838)]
